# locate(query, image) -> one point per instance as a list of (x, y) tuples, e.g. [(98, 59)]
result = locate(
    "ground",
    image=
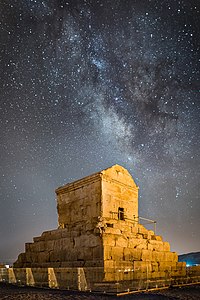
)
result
[(10, 292)]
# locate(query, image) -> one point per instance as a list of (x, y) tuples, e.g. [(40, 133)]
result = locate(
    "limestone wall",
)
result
[(130, 246), (65, 278), (79, 202), (119, 191), (63, 248), (91, 279), (99, 230)]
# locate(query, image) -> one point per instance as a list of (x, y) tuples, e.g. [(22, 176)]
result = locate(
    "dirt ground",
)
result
[(10, 292)]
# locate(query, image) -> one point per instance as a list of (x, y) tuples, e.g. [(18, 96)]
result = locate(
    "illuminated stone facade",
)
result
[(99, 231)]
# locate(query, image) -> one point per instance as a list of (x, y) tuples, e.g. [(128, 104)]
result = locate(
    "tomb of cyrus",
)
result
[(99, 230)]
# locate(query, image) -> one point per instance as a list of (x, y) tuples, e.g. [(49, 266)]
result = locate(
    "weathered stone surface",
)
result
[(121, 241), (109, 240), (155, 245), (146, 255), (166, 246), (98, 228)]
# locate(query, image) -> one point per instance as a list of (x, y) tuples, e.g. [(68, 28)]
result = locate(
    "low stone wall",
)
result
[(84, 279), (62, 278)]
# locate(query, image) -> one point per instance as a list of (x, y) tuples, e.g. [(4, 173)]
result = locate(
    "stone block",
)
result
[(54, 234), (166, 246), (37, 276), (57, 244), (108, 254), (142, 266), (109, 276), (136, 254), (117, 253), (65, 233), (33, 257), (164, 266), (145, 236), (158, 256), (41, 246), (151, 232), (132, 242), (175, 256), (32, 247), (109, 239), (146, 255), (11, 278), (28, 247), (37, 239), (125, 228), (122, 265), (169, 256), (76, 231), (67, 244), (121, 241), (43, 257), (46, 235), (158, 275), (142, 244), (134, 230), (94, 241), (193, 271), (132, 254), (97, 252), (154, 266), (150, 246), (22, 257), (20, 275), (80, 241), (178, 272), (181, 265), (88, 253), (109, 264), (54, 256), (89, 226), (158, 238), (28, 257), (109, 230), (49, 245), (142, 229), (155, 245), (127, 254)]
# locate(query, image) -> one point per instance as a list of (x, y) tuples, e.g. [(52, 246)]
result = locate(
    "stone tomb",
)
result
[(99, 233)]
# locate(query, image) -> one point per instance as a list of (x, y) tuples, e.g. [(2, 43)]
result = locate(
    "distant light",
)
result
[(191, 265), (7, 266), (188, 265)]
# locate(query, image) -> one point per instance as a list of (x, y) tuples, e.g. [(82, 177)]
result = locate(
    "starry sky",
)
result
[(86, 84)]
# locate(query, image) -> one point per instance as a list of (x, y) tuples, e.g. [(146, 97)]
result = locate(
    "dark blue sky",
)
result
[(88, 84)]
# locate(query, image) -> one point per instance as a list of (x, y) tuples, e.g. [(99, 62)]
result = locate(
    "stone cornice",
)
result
[(78, 183), (90, 179), (110, 179)]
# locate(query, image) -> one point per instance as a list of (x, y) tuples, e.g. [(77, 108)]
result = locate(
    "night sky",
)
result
[(88, 84)]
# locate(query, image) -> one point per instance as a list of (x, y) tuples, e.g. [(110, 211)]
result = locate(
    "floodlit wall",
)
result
[(90, 279), (79, 202), (119, 194), (98, 234)]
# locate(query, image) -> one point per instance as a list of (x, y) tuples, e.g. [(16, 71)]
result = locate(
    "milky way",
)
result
[(88, 84)]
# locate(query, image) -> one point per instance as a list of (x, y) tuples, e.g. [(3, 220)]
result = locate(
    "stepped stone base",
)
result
[(99, 234), (131, 252), (89, 279)]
